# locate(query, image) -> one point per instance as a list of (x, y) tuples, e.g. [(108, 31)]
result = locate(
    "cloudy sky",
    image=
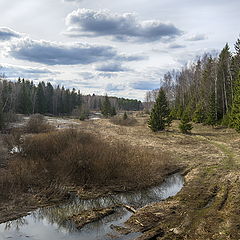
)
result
[(122, 48)]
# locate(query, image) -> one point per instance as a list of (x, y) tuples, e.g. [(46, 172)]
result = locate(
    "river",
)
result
[(50, 223)]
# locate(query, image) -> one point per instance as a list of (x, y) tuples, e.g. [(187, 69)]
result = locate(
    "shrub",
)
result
[(82, 159), (38, 124), (185, 126), (129, 121)]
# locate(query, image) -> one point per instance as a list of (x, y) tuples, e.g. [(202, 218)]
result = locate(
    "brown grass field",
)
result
[(208, 207)]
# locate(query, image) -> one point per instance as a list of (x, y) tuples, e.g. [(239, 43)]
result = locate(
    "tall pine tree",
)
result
[(1, 115), (235, 113), (106, 108), (160, 114)]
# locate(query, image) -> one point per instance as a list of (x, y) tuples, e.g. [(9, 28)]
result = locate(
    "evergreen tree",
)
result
[(49, 98), (236, 60), (1, 115), (40, 99), (159, 116), (25, 105), (235, 113), (211, 113), (199, 114), (185, 126), (106, 108), (113, 111)]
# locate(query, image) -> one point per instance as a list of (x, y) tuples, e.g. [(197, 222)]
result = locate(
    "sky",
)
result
[(122, 48)]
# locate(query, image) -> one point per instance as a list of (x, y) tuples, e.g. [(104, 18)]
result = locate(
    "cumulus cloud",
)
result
[(7, 34), (12, 71), (125, 27), (197, 37), (50, 53), (112, 67)]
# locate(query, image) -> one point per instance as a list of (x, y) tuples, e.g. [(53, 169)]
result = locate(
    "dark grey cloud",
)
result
[(125, 27), (24, 72), (112, 67), (145, 85), (7, 34), (61, 54), (197, 37)]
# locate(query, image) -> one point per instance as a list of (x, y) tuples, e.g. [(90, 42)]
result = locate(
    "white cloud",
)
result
[(122, 27), (197, 37)]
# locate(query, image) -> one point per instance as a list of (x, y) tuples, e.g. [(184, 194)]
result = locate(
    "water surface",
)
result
[(50, 223)]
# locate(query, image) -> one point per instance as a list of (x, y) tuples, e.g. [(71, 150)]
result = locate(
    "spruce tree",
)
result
[(41, 99), (235, 112), (1, 116), (185, 126), (25, 105), (199, 114), (211, 113), (106, 108), (113, 111), (160, 114)]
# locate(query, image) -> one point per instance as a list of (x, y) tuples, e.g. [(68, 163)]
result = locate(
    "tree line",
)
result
[(206, 91), (24, 97)]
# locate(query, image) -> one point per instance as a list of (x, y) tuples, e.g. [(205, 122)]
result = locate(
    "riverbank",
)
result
[(79, 162), (98, 218), (208, 205)]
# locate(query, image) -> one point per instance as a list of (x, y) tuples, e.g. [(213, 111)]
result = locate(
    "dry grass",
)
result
[(38, 124), (118, 120), (83, 159)]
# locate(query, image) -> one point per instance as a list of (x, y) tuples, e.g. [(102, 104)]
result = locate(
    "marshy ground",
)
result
[(208, 207)]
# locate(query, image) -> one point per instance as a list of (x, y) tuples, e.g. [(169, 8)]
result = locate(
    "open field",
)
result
[(208, 207)]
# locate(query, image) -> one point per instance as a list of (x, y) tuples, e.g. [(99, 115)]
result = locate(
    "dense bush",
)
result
[(82, 159), (38, 124), (124, 120)]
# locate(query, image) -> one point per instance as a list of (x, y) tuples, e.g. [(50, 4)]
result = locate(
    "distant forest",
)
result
[(208, 90), (24, 97)]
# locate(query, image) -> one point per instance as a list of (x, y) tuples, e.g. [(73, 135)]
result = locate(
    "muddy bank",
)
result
[(208, 207), (89, 216), (23, 203)]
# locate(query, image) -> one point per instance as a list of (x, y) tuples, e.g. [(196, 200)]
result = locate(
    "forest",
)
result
[(24, 97), (207, 91)]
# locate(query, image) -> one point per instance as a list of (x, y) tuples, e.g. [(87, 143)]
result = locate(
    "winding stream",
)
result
[(50, 224)]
